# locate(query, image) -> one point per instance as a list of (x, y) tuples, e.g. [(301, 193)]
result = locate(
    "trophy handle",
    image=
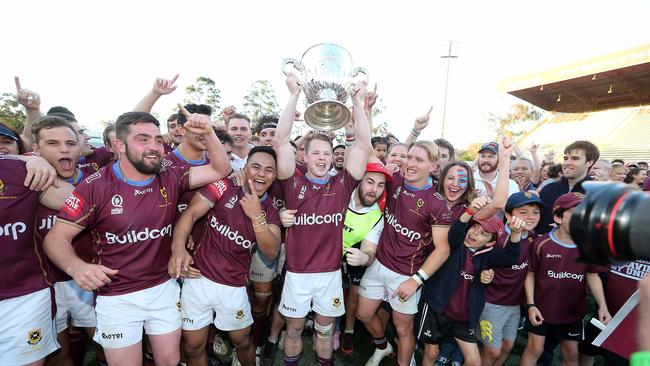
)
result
[(360, 70), (290, 61)]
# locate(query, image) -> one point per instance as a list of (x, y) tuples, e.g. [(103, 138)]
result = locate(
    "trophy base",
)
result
[(327, 115)]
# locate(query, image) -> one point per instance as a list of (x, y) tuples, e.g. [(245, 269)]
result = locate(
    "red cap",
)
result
[(492, 225), (379, 168), (568, 200)]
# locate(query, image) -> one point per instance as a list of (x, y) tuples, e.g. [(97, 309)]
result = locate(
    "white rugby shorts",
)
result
[(321, 292), (27, 328), (204, 301), (379, 283), (120, 318), (73, 302)]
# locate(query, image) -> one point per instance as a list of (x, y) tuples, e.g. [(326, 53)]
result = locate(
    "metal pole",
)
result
[(444, 106)]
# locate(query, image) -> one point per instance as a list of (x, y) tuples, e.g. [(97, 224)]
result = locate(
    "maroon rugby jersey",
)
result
[(175, 158), (99, 158), (560, 283), (82, 243), (22, 263), (313, 243), (457, 308), (622, 282), (410, 213), (507, 287), (131, 223), (224, 253)]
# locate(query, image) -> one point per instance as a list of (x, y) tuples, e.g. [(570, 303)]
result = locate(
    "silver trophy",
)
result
[(325, 73)]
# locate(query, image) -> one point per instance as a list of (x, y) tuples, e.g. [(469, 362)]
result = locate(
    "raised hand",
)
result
[(479, 202), (359, 92), (505, 149), (250, 203), (516, 225), (423, 121), (164, 86), (533, 148), (27, 98), (370, 99), (199, 124), (227, 112), (292, 84)]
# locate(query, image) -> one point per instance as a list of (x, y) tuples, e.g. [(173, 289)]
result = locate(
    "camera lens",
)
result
[(612, 224)]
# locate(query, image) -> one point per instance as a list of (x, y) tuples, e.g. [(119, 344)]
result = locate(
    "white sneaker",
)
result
[(413, 360), (379, 354)]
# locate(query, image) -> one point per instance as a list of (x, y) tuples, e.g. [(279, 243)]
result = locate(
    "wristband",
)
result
[(416, 278), (470, 212), (641, 358), (415, 132), (528, 306)]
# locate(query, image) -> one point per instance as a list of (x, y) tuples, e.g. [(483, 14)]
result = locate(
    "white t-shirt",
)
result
[(480, 185)]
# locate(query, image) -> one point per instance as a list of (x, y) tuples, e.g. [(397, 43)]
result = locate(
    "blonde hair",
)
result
[(430, 147)]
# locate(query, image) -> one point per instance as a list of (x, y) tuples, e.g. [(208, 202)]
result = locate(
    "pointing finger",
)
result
[(252, 188), (184, 111), (375, 90), (174, 79), (430, 109), (17, 80)]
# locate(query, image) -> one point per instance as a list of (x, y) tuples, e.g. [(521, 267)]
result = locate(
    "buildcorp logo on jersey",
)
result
[(13, 229), (133, 236), (410, 234), (313, 219)]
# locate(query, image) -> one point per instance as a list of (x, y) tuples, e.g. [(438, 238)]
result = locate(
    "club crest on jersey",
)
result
[(240, 314), (419, 203), (231, 202), (2, 188), (95, 166), (117, 201), (165, 197), (34, 336), (528, 195), (73, 204), (302, 192), (178, 306), (336, 302)]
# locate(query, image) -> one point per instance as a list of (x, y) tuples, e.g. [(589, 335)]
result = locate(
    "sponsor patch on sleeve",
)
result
[(218, 188), (73, 205)]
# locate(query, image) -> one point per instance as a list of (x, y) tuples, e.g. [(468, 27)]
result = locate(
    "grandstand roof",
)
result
[(620, 79)]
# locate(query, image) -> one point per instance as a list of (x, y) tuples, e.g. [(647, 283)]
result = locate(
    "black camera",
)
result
[(612, 224)]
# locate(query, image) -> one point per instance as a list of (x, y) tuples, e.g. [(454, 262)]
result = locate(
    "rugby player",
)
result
[(313, 245), (130, 208)]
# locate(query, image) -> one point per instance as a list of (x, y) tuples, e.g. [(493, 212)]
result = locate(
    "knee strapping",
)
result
[(323, 331), (262, 294)]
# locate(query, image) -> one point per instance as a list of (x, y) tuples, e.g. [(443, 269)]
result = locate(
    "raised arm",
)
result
[(219, 166), (32, 103), (283, 149), (537, 167), (356, 163), (160, 87), (420, 124), (368, 103)]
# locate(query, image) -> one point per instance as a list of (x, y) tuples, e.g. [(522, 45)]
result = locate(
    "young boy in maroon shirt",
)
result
[(556, 288)]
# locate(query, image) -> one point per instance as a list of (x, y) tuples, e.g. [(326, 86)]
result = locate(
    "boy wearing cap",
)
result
[(555, 273), (500, 318), (487, 174), (454, 298)]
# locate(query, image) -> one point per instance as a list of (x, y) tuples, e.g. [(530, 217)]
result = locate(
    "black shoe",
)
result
[(267, 353), (347, 344)]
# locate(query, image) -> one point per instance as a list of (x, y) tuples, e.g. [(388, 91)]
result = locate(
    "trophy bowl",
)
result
[(326, 74)]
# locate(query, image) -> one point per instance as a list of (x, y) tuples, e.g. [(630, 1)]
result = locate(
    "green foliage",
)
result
[(380, 125), (204, 91), (11, 112), (470, 153), (260, 100), (507, 124)]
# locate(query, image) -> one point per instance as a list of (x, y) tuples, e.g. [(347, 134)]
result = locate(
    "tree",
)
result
[(507, 124), (260, 100), (11, 111), (204, 91), (471, 152)]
